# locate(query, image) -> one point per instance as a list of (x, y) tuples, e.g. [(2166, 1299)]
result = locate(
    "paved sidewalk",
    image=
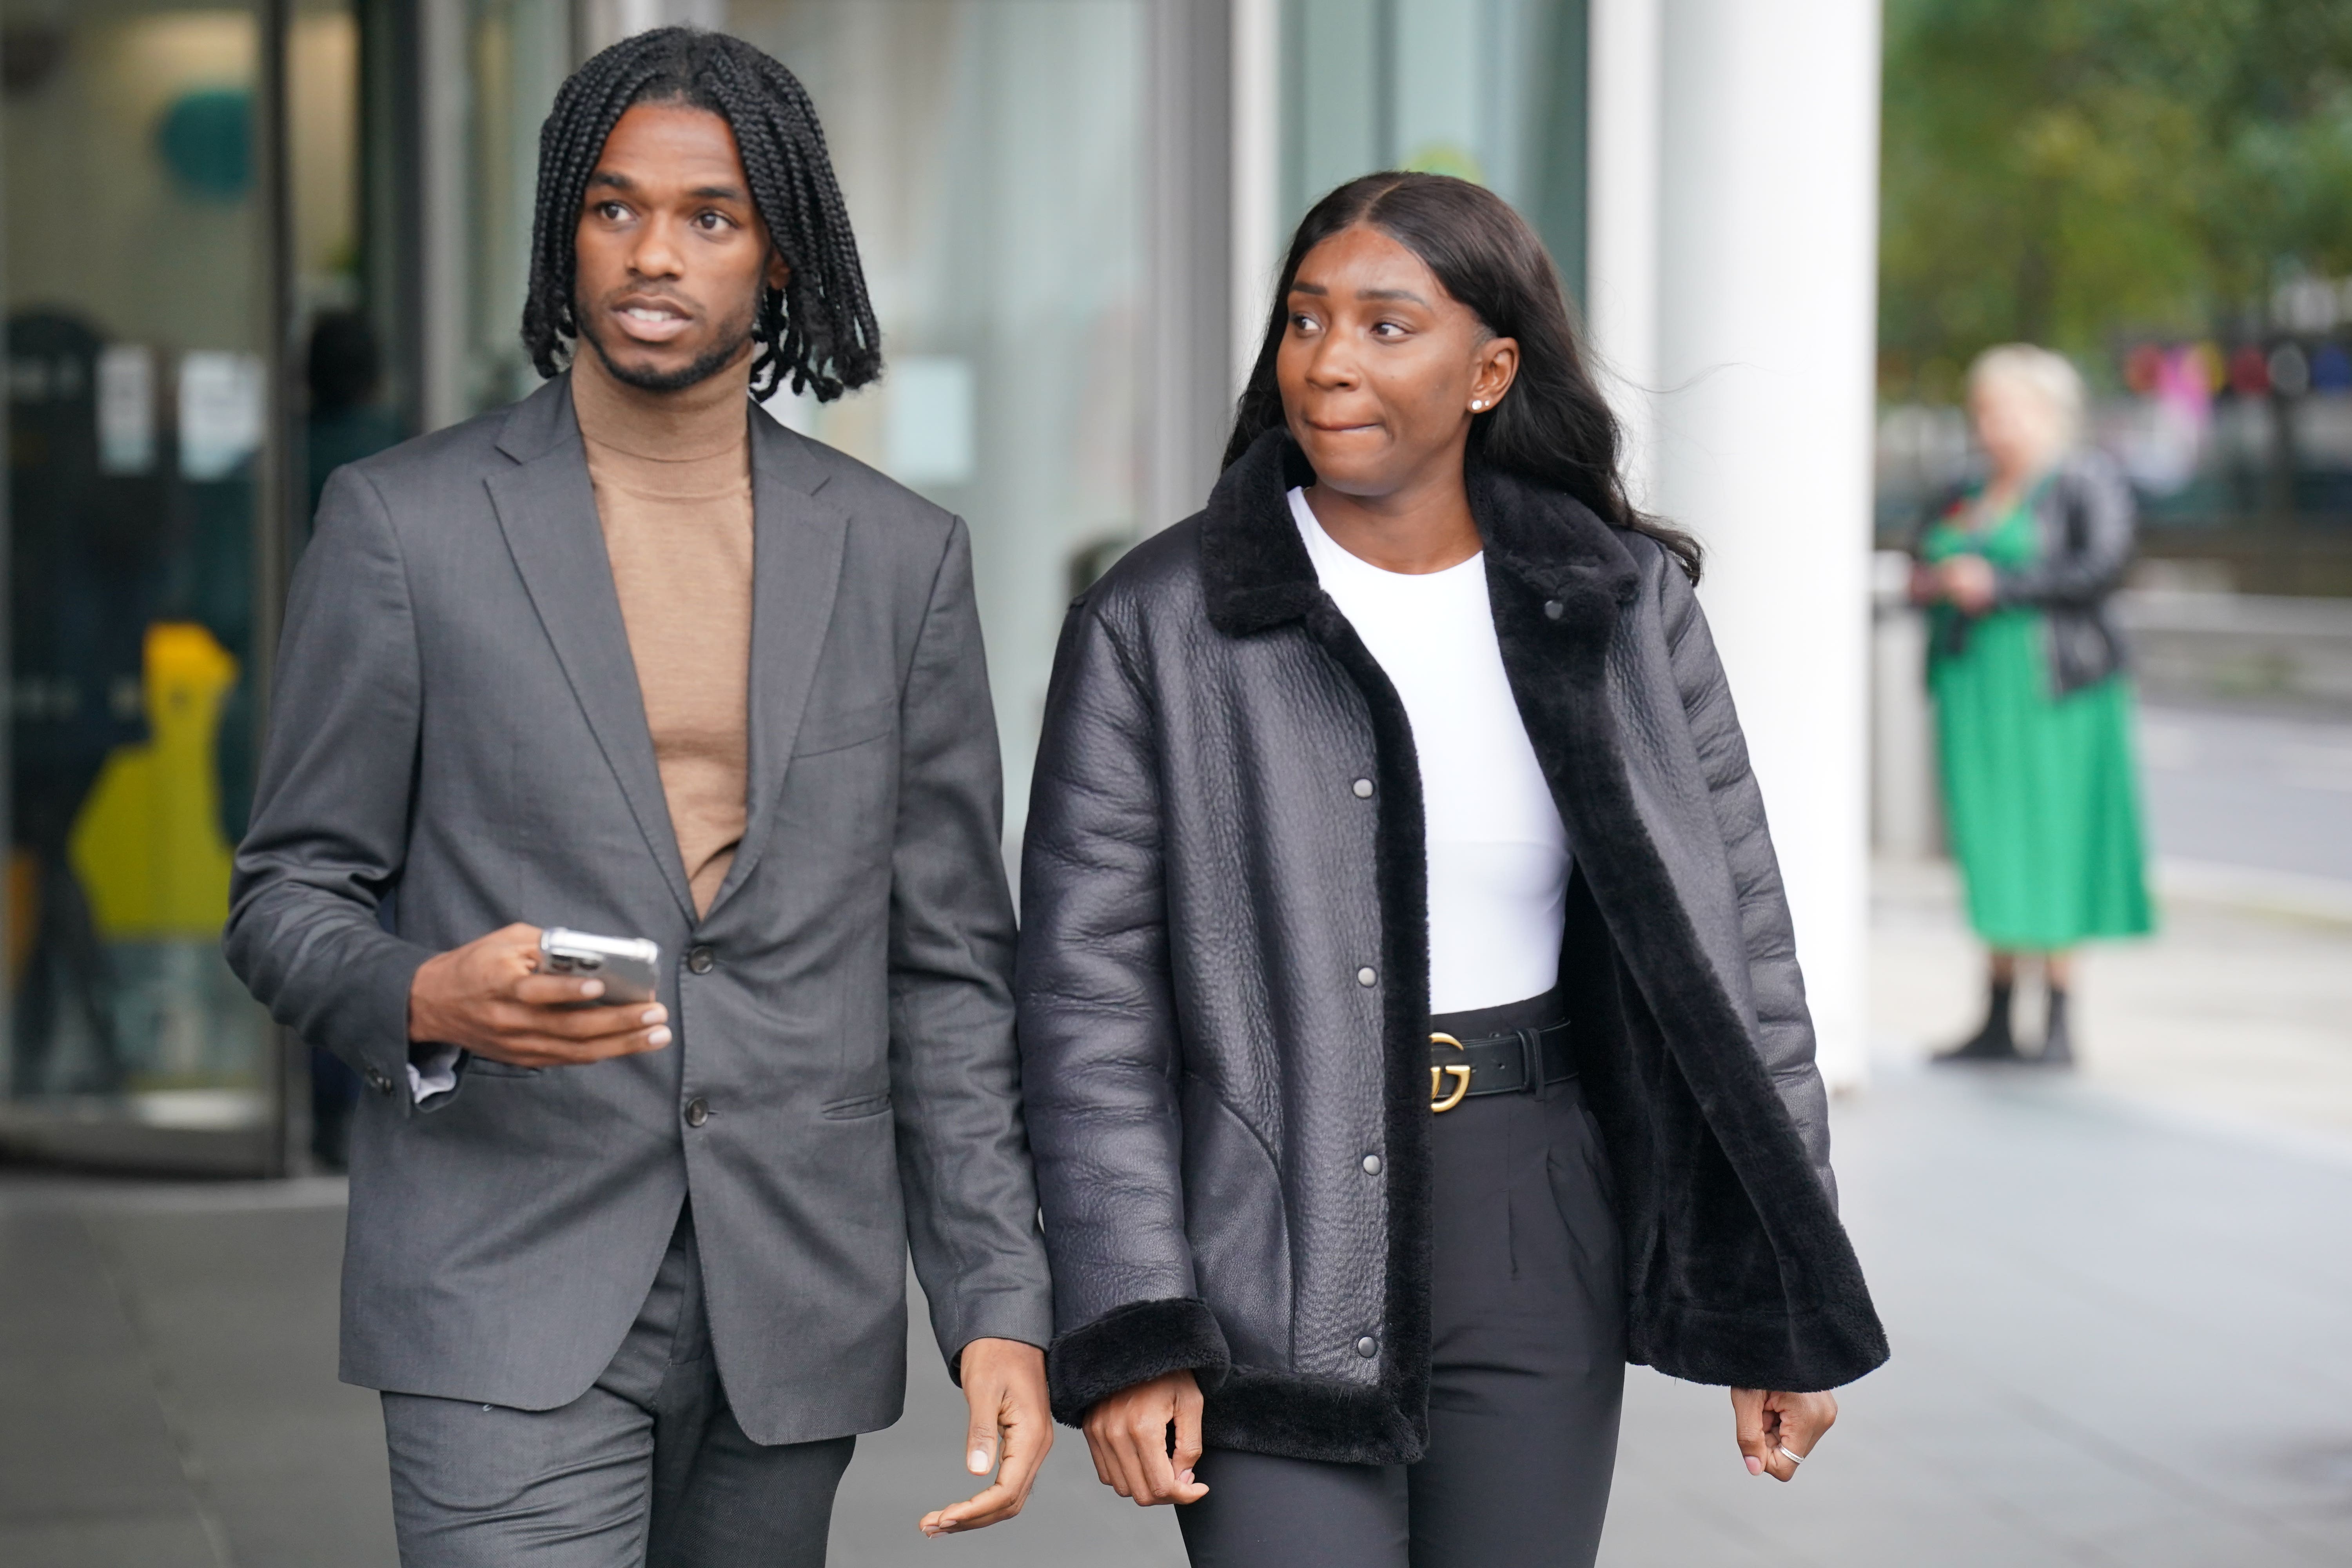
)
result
[(2117, 1340), (167, 1380), (2119, 1306), (2229, 1015)]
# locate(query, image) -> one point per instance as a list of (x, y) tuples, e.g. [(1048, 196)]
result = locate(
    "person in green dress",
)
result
[(2034, 706)]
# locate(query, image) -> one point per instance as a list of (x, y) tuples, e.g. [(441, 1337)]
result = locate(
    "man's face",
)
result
[(672, 256)]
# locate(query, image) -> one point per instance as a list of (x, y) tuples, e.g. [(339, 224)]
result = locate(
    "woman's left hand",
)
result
[(1772, 1427), (1969, 582)]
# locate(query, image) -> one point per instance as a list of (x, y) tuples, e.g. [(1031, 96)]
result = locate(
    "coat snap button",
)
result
[(1363, 788), (1367, 976), (1371, 1164), (703, 961), (1367, 1347), (697, 1111), (1554, 609)]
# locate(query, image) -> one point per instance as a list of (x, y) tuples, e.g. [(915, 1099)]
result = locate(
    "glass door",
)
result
[(190, 346), (136, 270)]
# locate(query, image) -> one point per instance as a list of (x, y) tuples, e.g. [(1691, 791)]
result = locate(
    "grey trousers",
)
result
[(647, 1469), (1526, 1377)]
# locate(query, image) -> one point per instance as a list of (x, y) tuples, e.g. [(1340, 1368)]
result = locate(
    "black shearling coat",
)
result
[(1205, 1067)]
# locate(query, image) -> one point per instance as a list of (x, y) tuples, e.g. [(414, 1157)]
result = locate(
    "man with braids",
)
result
[(632, 659)]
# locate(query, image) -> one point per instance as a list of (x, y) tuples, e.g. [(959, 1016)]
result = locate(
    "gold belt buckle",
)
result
[(1438, 1099)]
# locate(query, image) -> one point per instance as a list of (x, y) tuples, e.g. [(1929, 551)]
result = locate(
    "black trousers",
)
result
[(1528, 1368), (647, 1469)]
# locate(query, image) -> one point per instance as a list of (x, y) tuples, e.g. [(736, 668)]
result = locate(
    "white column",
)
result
[(1256, 176), (1767, 285), (1621, 259)]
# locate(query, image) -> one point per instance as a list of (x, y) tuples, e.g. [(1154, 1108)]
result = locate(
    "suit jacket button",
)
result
[(703, 961), (1367, 1347), (379, 1082), (1371, 1164), (1367, 976), (1554, 609), (1363, 788), (697, 1111)]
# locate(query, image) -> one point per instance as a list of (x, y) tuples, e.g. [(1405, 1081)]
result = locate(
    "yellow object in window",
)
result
[(147, 845)]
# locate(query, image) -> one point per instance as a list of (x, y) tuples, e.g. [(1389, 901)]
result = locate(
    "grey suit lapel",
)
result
[(798, 537), (548, 509)]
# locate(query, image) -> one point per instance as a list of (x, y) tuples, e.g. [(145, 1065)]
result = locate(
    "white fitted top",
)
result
[(1498, 857)]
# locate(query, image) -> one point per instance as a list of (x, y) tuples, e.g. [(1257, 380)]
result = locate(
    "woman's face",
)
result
[(1379, 365), (2017, 428)]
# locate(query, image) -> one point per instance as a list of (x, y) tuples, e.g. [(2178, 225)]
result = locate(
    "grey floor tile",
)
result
[(238, 1309), (119, 1543), (82, 1436)]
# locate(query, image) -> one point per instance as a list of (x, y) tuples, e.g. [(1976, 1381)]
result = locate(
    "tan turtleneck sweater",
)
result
[(673, 478)]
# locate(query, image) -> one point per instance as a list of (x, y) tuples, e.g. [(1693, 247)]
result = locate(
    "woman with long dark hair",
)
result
[(1411, 1024)]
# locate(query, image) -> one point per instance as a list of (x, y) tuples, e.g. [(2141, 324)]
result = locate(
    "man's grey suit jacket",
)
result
[(458, 741)]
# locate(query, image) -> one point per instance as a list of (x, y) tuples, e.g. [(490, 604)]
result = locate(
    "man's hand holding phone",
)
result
[(489, 998)]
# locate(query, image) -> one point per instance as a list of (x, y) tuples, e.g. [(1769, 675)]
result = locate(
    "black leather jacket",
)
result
[(2086, 521), (1224, 981)]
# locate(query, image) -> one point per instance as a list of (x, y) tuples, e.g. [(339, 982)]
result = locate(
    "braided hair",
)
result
[(818, 333)]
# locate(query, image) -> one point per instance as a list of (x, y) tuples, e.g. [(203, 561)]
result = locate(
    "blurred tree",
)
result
[(2062, 171)]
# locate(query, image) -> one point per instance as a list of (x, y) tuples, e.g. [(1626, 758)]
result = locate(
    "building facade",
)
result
[(248, 241)]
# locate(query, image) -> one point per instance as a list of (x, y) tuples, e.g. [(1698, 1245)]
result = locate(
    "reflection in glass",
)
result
[(136, 416)]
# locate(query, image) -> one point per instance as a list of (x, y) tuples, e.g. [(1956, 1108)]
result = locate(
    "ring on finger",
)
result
[(1792, 1458)]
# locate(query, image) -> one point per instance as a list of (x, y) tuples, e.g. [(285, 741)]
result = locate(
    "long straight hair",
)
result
[(1553, 427)]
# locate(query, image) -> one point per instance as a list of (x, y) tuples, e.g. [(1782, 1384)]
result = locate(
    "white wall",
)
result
[(1762, 291), (1620, 262)]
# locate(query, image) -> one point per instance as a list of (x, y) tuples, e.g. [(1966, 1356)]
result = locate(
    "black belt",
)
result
[(1496, 1064)]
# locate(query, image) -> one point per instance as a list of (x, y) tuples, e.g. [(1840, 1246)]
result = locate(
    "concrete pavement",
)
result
[(2264, 789)]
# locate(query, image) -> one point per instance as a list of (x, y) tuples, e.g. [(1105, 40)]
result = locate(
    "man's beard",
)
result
[(734, 336)]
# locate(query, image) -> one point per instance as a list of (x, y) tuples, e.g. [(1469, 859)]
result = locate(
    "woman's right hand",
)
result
[(1968, 582), (1127, 1435), (1926, 586)]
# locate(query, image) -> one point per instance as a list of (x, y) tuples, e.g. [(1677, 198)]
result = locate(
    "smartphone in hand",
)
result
[(629, 966)]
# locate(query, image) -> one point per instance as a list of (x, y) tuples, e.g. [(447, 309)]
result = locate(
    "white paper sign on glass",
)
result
[(220, 412), (126, 408)]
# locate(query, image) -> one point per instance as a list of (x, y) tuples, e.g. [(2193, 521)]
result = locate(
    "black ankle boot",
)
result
[(2057, 1045), (1994, 1042)]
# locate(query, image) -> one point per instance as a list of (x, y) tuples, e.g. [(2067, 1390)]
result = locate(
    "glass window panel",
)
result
[(1491, 90), (349, 406), (518, 53), (136, 312), (991, 154)]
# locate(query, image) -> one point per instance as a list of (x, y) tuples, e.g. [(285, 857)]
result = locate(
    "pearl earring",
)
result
[(1476, 405)]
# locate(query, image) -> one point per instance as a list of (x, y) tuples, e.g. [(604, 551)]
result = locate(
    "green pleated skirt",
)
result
[(2041, 794)]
